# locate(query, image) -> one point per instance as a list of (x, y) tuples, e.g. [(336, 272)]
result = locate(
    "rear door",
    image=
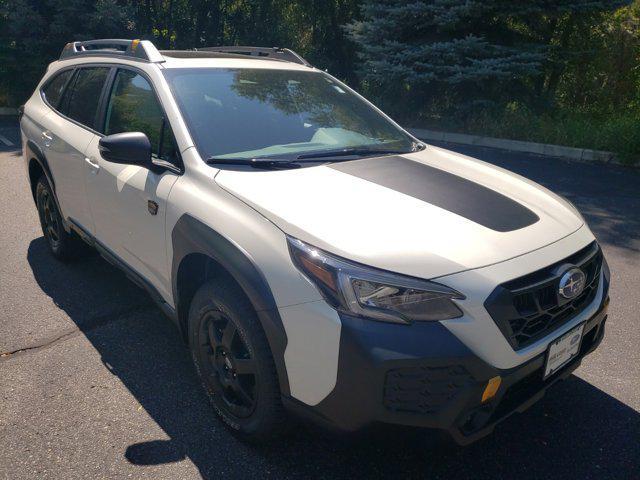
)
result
[(68, 131), (128, 202), (33, 124)]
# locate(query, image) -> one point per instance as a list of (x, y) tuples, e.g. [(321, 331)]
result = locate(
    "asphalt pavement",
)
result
[(95, 382)]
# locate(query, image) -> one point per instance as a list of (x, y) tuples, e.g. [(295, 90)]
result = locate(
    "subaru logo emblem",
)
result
[(572, 283)]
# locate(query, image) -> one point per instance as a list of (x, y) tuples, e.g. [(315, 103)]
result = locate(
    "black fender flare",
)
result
[(190, 236), (35, 154)]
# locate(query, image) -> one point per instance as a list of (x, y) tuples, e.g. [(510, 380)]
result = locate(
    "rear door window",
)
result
[(84, 97), (54, 89)]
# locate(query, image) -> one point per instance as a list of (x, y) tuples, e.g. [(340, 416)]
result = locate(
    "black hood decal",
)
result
[(442, 189)]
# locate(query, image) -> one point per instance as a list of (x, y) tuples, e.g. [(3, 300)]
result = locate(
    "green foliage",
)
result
[(563, 71), (618, 132), (455, 56), (33, 32), (600, 71), (554, 71)]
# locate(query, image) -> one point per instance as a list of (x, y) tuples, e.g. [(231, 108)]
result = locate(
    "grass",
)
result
[(618, 133)]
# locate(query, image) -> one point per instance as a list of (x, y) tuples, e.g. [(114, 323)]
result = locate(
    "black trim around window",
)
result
[(103, 102), (62, 108), (64, 90), (96, 118), (64, 87), (64, 98), (102, 109)]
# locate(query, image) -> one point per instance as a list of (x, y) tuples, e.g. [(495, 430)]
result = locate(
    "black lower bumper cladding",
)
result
[(423, 376)]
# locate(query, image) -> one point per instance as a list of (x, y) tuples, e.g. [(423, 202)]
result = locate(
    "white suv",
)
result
[(317, 258)]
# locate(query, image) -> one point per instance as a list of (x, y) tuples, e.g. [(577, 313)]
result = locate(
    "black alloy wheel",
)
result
[(231, 367), (233, 359), (49, 218)]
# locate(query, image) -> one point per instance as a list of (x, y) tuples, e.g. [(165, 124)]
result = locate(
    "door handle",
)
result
[(47, 137), (93, 164)]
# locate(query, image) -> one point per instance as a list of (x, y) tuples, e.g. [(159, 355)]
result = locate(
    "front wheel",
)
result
[(234, 362)]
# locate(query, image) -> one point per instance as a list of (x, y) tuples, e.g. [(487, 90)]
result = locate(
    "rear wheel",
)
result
[(234, 362), (64, 246)]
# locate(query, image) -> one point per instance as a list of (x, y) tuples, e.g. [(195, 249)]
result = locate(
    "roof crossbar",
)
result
[(276, 53), (139, 49)]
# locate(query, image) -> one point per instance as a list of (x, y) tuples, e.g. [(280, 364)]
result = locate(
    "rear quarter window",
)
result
[(53, 90)]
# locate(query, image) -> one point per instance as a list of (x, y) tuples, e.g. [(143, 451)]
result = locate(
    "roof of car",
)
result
[(220, 57), (172, 62)]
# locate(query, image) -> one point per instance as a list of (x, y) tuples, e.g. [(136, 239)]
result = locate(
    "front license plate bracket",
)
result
[(562, 350)]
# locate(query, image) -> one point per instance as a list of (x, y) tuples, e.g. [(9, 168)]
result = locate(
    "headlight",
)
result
[(373, 293)]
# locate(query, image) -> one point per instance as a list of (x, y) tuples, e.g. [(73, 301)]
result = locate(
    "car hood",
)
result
[(425, 214)]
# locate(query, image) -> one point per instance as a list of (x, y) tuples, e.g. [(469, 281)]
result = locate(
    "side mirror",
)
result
[(129, 148)]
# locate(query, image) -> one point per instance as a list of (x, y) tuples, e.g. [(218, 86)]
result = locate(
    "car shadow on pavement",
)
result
[(576, 431)]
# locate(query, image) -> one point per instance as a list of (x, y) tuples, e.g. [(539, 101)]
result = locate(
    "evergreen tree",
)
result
[(457, 55)]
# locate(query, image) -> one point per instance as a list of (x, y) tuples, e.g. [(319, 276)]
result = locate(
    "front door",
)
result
[(128, 202)]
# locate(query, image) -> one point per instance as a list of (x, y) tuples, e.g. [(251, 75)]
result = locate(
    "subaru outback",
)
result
[(317, 258)]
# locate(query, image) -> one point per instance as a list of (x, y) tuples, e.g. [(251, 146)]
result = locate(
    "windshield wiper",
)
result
[(357, 151), (258, 162), (347, 152), (284, 163)]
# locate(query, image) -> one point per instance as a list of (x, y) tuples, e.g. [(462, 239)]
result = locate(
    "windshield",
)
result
[(254, 113)]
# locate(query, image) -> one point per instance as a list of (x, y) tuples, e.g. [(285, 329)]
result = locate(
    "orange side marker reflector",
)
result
[(491, 389)]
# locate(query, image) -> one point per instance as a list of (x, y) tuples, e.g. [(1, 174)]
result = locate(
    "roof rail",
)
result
[(276, 53), (138, 49)]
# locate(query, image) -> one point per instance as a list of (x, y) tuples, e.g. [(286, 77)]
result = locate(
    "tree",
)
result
[(599, 64), (33, 33), (455, 56)]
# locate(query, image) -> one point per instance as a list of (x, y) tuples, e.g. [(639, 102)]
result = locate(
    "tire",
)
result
[(234, 362), (63, 245)]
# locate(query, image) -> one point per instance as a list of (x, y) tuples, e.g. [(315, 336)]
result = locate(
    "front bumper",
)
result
[(423, 376)]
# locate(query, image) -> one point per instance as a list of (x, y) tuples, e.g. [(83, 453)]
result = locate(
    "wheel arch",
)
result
[(38, 166), (201, 254)]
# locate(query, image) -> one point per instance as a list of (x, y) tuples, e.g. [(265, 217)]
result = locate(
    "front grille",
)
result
[(528, 308), (423, 390)]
